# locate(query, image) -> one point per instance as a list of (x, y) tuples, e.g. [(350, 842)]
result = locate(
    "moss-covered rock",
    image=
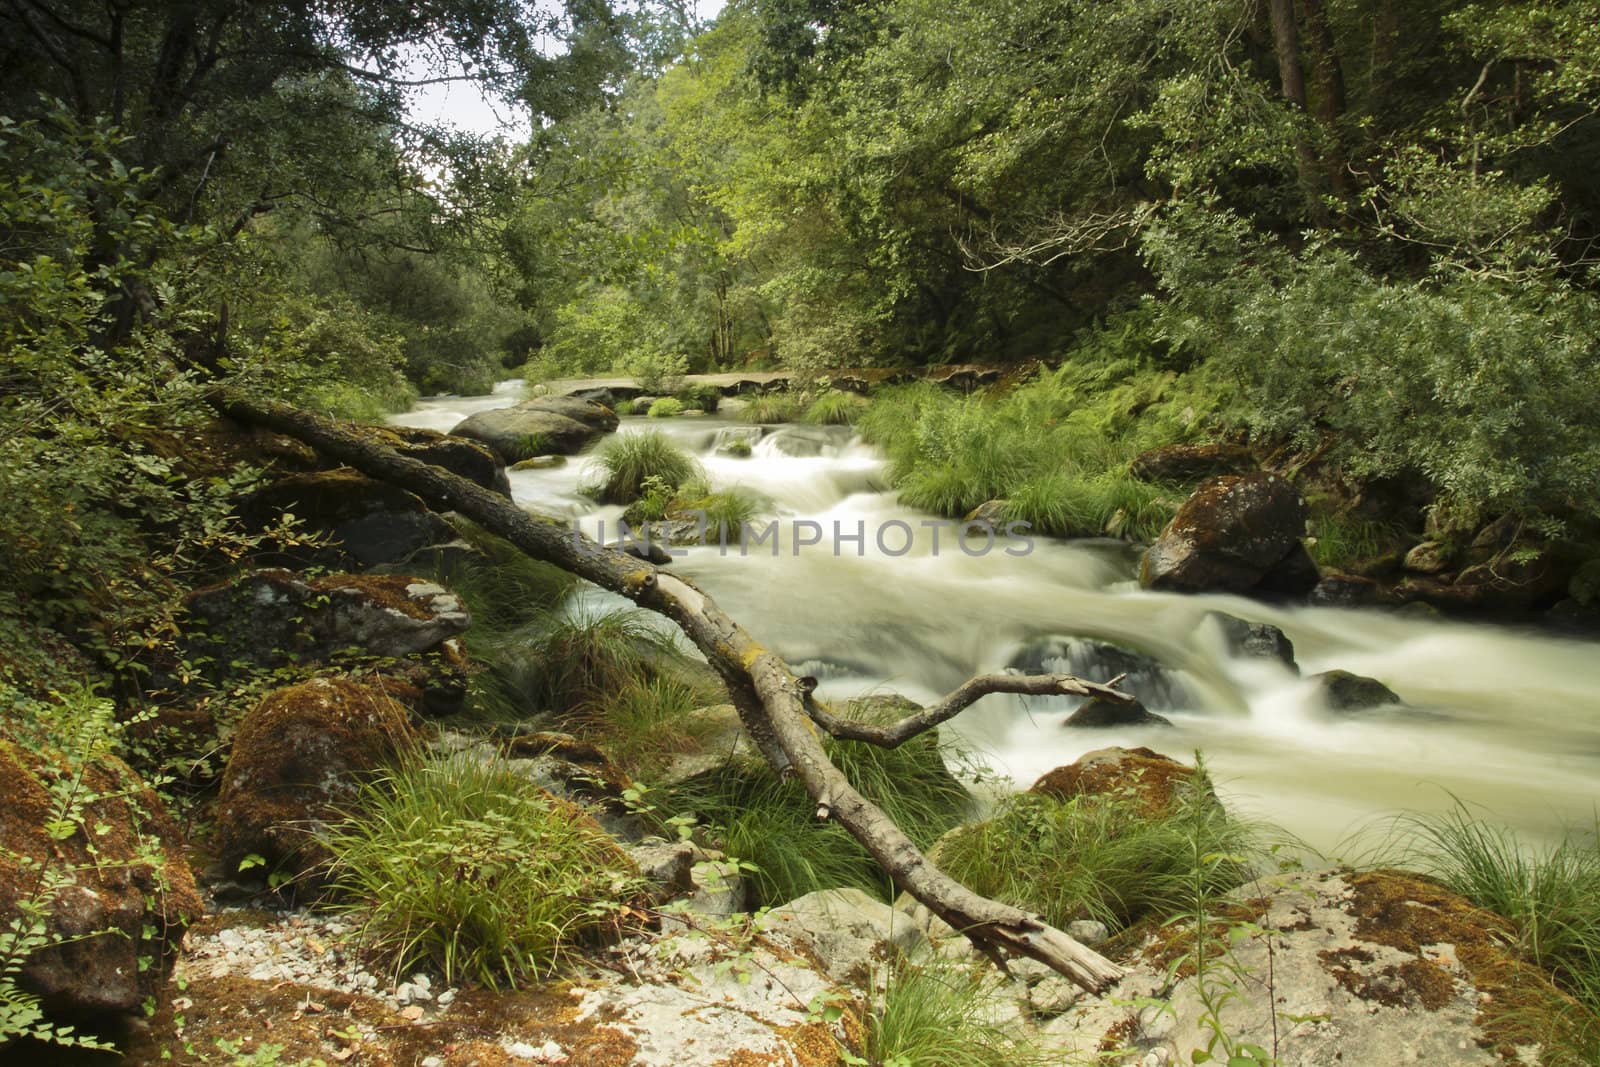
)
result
[(367, 522), (1153, 778), (1236, 533), (113, 925), (298, 758)]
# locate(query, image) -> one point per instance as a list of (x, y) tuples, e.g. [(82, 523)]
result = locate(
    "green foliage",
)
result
[(665, 408), (625, 461), (71, 735), (1056, 449), (473, 871), (706, 398), (771, 407), (935, 1011), (1109, 857), (726, 511), (576, 661), (1339, 539), (770, 823), (646, 722), (836, 407)]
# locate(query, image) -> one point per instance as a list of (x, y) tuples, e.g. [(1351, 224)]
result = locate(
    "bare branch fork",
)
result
[(770, 700), (892, 735)]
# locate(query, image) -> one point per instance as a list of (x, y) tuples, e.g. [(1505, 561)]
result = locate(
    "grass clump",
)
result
[(704, 398), (1340, 540), (474, 872), (836, 407), (771, 823), (936, 1012), (642, 725), (577, 660), (622, 407), (665, 408), (1108, 856), (1057, 448), (771, 407), (625, 461), (727, 511), (1551, 896)]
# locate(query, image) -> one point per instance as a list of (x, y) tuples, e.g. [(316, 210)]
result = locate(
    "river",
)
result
[(1502, 718)]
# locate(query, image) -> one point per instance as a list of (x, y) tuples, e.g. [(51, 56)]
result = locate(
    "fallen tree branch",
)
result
[(769, 698), (892, 735)]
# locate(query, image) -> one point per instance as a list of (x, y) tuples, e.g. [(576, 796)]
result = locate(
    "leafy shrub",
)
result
[(1108, 857), (624, 461), (665, 408), (472, 870)]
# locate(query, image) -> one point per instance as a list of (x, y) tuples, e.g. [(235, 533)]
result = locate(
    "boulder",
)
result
[(540, 463), (1327, 969), (1430, 557), (1236, 533), (1098, 661), (1153, 778), (1346, 591), (1191, 463), (272, 618), (1343, 691), (547, 426), (368, 522), (1100, 712), (299, 757), (992, 512), (113, 928), (852, 934), (1254, 640)]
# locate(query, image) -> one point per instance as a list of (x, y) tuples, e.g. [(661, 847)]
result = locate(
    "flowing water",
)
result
[(1502, 718)]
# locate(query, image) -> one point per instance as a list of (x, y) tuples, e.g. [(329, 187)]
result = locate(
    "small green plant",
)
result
[(727, 511), (470, 869), (835, 407), (771, 407), (704, 398), (585, 658), (625, 460), (645, 723), (665, 408), (623, 407)]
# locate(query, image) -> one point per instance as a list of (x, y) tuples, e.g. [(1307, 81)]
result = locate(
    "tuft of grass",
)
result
[(771, 407), (1550, 896), (1108, 857), (836, 407), (1340, 539), (937, 1012), (772, 823), (645, 723), (622, 407), (474, 872), (665, 408), (727, 511), (579, 659), (625, 461), (705, 398)]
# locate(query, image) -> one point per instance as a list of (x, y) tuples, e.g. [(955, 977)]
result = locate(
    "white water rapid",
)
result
[(1502, 718)]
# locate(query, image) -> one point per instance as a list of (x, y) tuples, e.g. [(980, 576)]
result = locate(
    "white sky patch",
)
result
[(462, 105)]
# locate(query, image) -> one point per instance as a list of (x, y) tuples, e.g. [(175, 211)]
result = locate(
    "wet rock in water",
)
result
[(1155, 779), (1254, 640), (1346, 591), (369, 522), (1098, 661), (1100, 712), (112, 931), (1236, 533), (992, 512), (547, 426), (803, 441), (1430, 557), (1343, 691), (1374, 968), (1191, 463), (850, 932), (540, 463), (298, 760)]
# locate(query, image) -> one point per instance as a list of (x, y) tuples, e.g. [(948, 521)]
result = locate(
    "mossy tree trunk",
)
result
[(771, 700)]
